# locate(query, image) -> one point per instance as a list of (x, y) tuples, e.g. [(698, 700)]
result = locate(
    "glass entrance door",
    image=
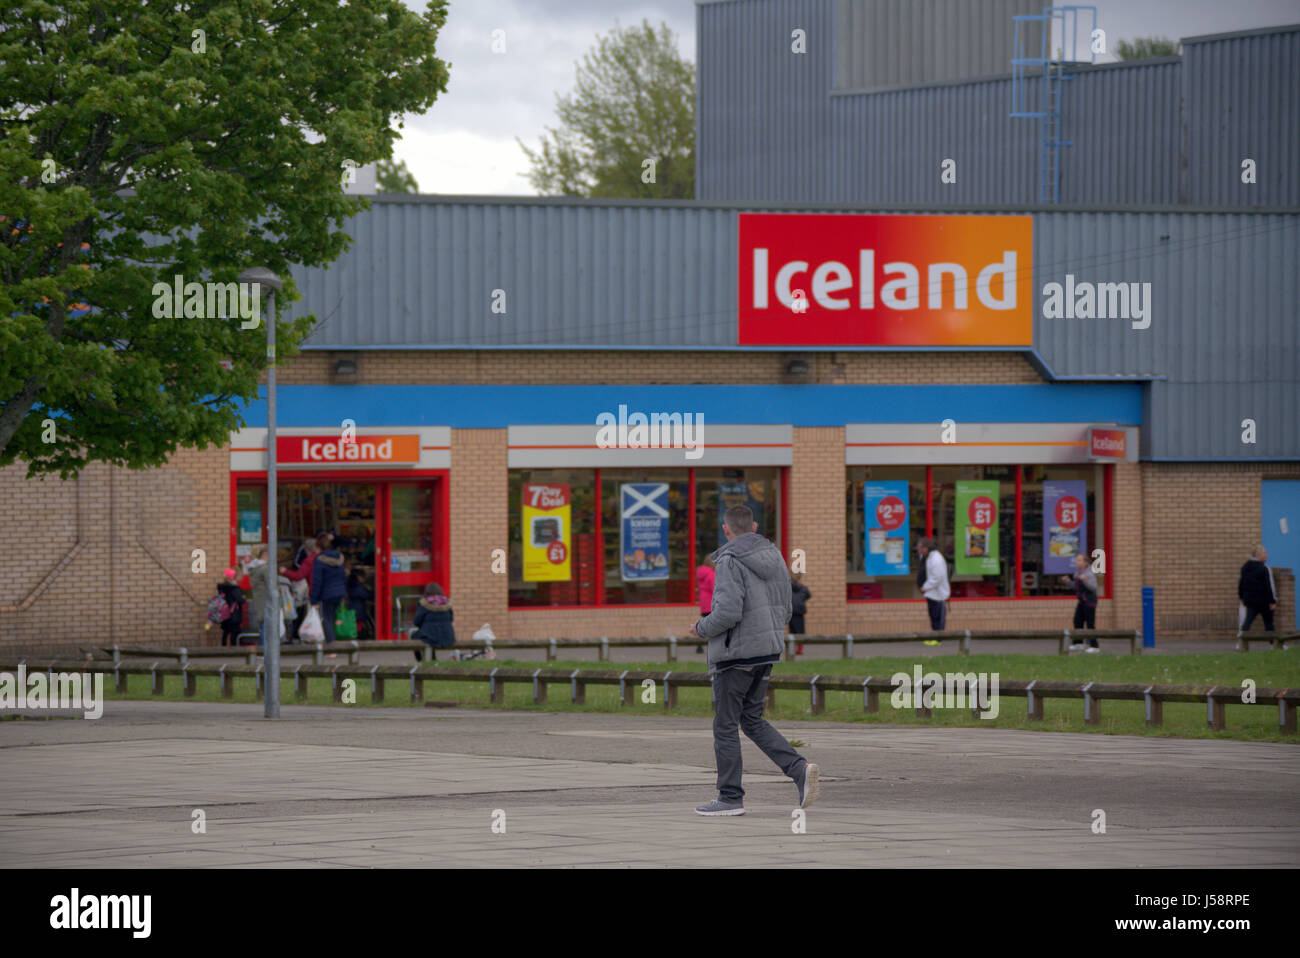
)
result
[(408, 552)]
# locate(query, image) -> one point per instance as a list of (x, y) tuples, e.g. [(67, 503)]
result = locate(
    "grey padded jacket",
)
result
[(751, 603)]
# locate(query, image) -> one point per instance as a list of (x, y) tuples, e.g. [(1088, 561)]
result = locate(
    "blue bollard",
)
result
[(1148, 617)]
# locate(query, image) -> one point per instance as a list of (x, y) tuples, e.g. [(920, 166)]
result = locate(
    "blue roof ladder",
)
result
[(1054, 71)]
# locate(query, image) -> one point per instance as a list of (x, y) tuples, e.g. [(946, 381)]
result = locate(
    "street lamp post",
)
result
[(271, 283)]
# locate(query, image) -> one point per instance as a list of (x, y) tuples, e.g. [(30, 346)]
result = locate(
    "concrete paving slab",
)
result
[(401, 788)]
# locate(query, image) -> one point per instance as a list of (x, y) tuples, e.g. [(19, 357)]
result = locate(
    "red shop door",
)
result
[(407, 558)]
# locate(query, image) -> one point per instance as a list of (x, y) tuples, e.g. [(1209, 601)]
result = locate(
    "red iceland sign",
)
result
[(895, 280)]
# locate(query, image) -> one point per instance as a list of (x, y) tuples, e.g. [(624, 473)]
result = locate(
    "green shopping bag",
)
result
[(345, 624)]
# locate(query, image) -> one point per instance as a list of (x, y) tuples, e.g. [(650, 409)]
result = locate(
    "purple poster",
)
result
[(1065, 524)]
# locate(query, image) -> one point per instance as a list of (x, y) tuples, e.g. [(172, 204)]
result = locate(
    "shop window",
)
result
[(646, 553), (971, 514), (717, 490), (539, 575), (974, 513), (642, 548), (885, 510), (1075, 523)]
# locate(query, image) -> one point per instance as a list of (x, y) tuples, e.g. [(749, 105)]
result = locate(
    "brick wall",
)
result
[(479, 517), (1200, 522), (817, 523), (577, 367), (107, 557)]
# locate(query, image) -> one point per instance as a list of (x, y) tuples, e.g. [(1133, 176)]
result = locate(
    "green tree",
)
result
[(630, 118), (392, 176), (143, 142), (1144, 48)]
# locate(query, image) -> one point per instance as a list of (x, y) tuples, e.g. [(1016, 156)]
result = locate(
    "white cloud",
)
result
[(465, 161)]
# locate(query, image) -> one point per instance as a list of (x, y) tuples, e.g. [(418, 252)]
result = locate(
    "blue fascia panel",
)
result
[(495, 407)]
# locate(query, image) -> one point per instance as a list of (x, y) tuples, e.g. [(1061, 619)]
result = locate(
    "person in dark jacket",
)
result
[(751, 608), (234, 596), (799, 596), (433, 621), (359, 596), (1256, 590), (329, 583)]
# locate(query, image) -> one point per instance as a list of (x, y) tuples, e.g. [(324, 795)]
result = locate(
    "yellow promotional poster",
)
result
[(546, 532)]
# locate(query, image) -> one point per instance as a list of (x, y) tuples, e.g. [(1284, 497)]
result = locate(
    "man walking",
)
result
[(751, 606), (932, 580), (1256, 590)]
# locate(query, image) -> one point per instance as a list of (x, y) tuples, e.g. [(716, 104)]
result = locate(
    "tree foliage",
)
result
[(1144, 48), (140, 141), (634, 101), (392, 176)]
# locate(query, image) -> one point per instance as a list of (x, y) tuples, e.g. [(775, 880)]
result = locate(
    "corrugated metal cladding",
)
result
[(1222, 303), (425, 273), (772, 128), (1242, 97), (763, 127), (882, 43), (1223, 323)]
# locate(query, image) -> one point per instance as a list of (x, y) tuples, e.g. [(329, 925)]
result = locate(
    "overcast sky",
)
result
[(466, 142)]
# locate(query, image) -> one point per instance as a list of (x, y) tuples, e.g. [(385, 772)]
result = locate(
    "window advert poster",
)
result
[(885, 511), (1065, 524), (977, 528), (545, 533), (643, 531)]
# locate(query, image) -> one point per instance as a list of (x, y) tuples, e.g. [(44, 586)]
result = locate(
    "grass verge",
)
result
[(1266, 668)]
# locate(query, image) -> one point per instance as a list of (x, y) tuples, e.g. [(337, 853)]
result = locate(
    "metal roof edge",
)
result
[(1235, 34), (1220, 459), (1040, 364), (1074, 67), (577, 202)]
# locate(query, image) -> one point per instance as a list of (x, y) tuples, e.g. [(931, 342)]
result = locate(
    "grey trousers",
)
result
[(738, 704)]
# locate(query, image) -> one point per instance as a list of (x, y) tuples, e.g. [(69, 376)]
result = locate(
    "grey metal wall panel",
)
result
[(890, 147), (1223, 335), (763, 115), (1242, 97), (423, 274), (771, 127), (1123, 124), (883, 43), (1224, 326)]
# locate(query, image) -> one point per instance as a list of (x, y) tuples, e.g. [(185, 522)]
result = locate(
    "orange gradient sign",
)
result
[(887, 280)]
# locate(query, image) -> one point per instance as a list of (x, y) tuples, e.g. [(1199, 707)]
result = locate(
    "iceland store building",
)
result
[(554, 400)]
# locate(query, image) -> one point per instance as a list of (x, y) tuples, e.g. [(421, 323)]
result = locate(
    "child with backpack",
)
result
[(226, 608)]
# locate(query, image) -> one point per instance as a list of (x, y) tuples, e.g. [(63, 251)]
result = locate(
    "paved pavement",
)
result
[(374, 787)]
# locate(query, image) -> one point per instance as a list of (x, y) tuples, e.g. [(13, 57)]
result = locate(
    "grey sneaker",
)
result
[(809, 784), (719, 807)]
